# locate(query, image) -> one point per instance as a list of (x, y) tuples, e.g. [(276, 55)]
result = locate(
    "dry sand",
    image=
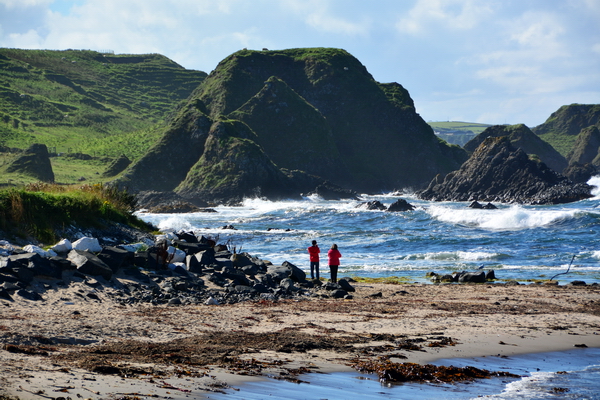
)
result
[(71, 345)]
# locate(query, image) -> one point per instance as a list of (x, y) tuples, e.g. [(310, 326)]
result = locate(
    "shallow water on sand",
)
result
[(571, 374)]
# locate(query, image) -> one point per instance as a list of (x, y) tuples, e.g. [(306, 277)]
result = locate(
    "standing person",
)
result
[(334, 256), (314, 259)]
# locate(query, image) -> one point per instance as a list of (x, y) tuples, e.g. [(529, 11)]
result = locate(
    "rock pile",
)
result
[(176, 268)]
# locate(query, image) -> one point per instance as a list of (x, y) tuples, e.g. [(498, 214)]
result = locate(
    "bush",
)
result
[(39, 209)]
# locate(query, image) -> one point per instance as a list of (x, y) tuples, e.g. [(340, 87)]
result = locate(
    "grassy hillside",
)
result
[(457, 132), (79, 101)]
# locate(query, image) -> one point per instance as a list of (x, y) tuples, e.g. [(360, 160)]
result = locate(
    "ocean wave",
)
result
[(510, 218), (595, 181), (456, 256)]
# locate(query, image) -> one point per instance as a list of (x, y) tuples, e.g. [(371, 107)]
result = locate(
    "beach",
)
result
[(75, 345)]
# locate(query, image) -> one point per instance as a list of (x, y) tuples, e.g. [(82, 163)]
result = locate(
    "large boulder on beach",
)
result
[(499, 172), (89, 264)]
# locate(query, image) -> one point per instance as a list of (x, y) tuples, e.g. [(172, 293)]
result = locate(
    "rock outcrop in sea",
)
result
[(499, 172)]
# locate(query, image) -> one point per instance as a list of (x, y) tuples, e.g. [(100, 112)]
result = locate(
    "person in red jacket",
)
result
[(334, 256), (314, 259)]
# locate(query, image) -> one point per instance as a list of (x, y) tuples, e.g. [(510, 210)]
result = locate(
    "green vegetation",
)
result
[(37, 210), (80, 101), (561, 142), (393, 280), (456, 132), (458, 126)]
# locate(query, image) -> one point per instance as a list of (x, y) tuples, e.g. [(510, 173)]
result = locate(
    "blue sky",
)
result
[(490, 61)]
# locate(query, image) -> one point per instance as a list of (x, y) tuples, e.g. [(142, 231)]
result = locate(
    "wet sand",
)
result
[(72, 345)]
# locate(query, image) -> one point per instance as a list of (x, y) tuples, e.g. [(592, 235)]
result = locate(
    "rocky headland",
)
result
[(499, 172), (278, 124)]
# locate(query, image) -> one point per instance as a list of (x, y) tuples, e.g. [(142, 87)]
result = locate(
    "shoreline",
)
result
[(205, 348)]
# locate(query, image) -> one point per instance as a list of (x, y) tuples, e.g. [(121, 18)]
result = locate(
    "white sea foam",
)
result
[(455, 256), (595, 181), (509, 218)]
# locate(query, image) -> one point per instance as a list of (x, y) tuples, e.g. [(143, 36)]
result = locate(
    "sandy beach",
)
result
[(75, 345)]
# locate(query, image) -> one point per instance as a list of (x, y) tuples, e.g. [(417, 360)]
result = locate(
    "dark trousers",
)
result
[(333, 269), (314, 267)]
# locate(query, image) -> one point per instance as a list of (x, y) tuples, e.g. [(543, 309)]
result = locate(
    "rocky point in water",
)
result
[(499, 172)]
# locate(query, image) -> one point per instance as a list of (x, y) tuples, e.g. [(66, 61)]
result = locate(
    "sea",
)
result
[(523, 243)]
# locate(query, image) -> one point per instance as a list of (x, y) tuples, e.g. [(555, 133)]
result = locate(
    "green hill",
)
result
[(563, 125), (79, 101), (261, 115)]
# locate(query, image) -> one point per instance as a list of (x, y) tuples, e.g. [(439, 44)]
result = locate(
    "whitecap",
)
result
[(509, 218)]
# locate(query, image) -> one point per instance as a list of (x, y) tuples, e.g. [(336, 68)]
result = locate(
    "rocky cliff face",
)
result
[(376, 136), (314, 111), (499, 172), (523, 138), (586, 147)]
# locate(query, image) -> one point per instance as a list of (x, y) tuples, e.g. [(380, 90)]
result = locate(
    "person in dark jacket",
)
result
[(334, 256), (314, 251)]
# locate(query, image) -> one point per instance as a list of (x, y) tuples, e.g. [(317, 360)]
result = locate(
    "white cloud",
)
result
[(12, 4), (317, 14), (451, 14)]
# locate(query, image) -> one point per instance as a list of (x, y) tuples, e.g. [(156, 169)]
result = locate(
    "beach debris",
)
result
[(567, 271), (389, 371)]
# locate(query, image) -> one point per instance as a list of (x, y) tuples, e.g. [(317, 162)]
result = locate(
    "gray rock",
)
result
[(472, 277), (296, 274), (344, 284), (89, 264)]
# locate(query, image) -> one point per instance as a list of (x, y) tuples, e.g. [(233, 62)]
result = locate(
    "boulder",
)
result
[(287, 284), (187, 237), (472, 277), (296, 274), (345, 284), (190, 248), (116, 258), (372, 205), (89, 264), (338, 293), (490, 275), (63, 246), (400, 205), (30, 248), (87, 244), (278, 272)]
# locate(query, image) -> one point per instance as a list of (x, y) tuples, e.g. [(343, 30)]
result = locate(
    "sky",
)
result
[(487, 61)]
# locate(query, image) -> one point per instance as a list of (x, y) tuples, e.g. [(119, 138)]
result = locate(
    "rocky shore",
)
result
[(210, 318)]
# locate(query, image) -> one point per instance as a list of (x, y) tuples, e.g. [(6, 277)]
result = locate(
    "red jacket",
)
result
[(314, 253), (334, 256)]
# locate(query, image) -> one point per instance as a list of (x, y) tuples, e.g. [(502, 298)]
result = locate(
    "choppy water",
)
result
[(523, 243)]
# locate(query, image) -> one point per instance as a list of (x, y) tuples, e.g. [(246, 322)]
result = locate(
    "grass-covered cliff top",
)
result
[(78, 100), (39, 211)]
